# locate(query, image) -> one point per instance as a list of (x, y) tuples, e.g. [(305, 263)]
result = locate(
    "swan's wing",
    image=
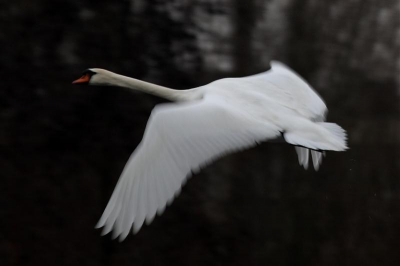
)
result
[(286, 87), (179, 138)]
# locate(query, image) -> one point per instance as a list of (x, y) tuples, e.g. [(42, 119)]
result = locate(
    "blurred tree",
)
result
[(245, 16), (167, 33)]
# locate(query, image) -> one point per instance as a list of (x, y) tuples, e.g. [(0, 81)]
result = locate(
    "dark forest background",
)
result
[(63, 147)]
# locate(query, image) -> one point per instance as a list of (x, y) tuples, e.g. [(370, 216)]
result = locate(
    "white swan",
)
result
[(206, 123)]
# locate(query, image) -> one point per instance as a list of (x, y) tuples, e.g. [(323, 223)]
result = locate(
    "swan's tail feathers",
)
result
[(317, 137), (337, 131)]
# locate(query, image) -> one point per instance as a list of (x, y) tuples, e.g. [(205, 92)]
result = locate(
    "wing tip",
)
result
[(278, 65)]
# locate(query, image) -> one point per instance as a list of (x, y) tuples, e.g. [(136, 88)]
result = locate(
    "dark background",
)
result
[(62, 147)]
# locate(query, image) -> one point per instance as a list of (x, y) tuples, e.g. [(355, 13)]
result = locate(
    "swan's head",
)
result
[(95, 76)]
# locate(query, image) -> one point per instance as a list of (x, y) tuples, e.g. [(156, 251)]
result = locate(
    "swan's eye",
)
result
[(88, 72)]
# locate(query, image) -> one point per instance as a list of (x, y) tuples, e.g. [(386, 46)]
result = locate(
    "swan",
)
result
[(204, 124)]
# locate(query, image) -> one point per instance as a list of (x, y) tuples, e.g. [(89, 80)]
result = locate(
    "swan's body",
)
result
[(207, 122)]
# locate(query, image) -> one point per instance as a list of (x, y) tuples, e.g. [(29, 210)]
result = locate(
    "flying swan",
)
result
[(206, 123)]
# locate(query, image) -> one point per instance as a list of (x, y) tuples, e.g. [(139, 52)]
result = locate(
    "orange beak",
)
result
[(82, 80)]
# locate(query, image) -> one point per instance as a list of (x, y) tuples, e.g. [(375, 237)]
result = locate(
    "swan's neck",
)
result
[(160, 91)]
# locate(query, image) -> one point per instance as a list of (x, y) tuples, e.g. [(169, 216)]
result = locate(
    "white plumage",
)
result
[(206, 123)]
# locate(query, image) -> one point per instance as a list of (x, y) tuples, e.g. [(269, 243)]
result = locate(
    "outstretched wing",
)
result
[(285, 86), (179, 139)]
